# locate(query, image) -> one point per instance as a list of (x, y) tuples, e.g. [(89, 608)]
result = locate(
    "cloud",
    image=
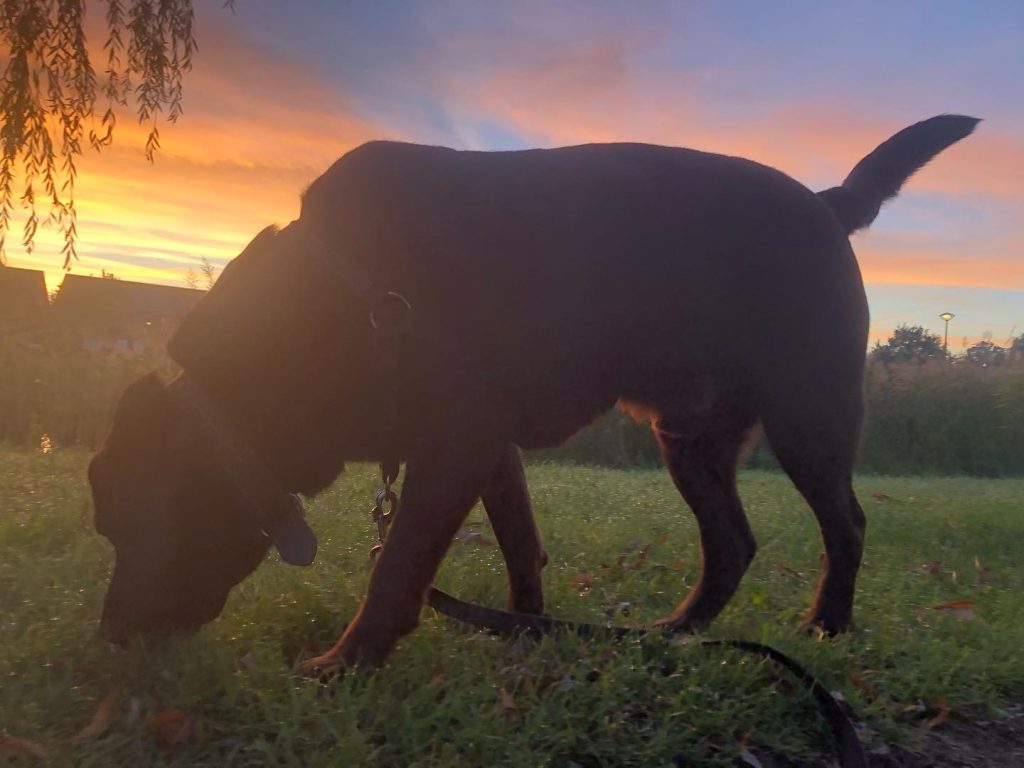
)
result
[(258, 127), (922, 260)]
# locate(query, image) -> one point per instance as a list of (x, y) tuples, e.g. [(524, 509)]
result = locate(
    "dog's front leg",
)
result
[(440, 488)]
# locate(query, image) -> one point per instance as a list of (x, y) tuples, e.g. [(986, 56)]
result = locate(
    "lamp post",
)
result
[(947, 316)]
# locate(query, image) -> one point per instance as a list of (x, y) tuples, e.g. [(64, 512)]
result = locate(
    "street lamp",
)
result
[(947, 316)]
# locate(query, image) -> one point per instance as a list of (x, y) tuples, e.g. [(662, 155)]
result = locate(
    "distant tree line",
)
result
[(927, 412), (915, 344)]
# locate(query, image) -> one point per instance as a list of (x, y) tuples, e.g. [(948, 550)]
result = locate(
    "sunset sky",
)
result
[(280, 90)]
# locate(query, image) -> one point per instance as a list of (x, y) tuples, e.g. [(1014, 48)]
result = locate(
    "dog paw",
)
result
[(323, 669), (823, 627)]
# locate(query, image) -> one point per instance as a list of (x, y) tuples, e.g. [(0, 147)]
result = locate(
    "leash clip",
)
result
[(383, 512)]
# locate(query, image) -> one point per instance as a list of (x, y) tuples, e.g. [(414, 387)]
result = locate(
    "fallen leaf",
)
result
[(582, 581), (134, 708), (781, 567), (866, 688), (679, 565), (509, 708), (661, 539), (978, 567), (438, 677), (640, 559), (961, 609), (467, 536), (943, 713), (170, 727), (103, 716), (933, 568), (12, 746), (879, 496)]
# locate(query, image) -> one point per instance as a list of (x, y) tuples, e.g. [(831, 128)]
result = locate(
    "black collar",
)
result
[(280, 513)]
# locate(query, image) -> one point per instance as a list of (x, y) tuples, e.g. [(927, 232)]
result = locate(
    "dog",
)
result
[(445, 309)]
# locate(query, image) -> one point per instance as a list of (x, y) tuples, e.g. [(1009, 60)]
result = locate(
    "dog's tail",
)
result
[(880, 175)]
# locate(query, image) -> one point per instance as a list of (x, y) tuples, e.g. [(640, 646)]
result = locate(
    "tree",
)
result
[(1016, 351), (49, 92), (209, 272), (909, 343), (985, 354)]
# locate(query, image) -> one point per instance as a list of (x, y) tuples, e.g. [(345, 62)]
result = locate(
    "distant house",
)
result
[(119, 314), (23, 302)]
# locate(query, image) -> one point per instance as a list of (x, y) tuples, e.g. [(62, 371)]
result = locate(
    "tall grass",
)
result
[(942, 418), (937, 418)]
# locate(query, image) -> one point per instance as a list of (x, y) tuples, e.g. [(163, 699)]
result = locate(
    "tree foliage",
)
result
[(985, 353), (909, 344), (51, 97)]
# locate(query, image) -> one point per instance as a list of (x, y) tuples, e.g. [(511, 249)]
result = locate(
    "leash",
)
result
[(848, 749)]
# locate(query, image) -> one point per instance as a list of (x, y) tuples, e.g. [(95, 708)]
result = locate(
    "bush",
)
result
[(64, 392), (944, 418), (934, 418)]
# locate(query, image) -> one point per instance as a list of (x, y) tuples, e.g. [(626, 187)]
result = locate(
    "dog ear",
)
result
[(132, 474), (142, 415), (292, 536)]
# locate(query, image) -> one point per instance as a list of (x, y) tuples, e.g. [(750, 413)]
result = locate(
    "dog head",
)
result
[(182, 533), (280, 340)]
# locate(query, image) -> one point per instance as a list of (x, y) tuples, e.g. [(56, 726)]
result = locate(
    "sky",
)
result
[(280, 90)]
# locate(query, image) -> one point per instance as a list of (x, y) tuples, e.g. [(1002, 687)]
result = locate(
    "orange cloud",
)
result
[(257, 129)]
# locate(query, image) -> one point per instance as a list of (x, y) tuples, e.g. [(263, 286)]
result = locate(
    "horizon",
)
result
[(276, 96)]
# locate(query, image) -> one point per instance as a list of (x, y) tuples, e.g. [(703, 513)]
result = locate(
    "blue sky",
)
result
[(281, 89)]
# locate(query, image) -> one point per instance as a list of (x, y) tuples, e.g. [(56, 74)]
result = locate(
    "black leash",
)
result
[(849, 751)]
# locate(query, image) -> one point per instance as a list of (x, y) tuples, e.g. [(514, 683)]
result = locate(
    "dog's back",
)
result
[(616, 265)]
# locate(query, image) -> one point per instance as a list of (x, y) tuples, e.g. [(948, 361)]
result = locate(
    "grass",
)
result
[(451, 697)]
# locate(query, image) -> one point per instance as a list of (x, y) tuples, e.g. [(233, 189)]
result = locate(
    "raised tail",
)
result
[(880, 175)]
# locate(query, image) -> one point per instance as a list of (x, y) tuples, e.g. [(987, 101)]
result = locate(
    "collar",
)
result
[(279, 514)]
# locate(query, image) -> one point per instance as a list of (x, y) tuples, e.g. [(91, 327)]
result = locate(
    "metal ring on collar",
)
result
[(393, 295)]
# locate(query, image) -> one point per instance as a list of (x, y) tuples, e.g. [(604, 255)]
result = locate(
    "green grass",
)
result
[(566, 701)]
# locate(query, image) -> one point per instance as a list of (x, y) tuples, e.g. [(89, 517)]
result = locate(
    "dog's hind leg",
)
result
[(507, 501), (814, 432), (701, 449)]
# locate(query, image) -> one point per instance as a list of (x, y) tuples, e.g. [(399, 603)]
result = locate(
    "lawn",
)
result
[(450, 696)]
